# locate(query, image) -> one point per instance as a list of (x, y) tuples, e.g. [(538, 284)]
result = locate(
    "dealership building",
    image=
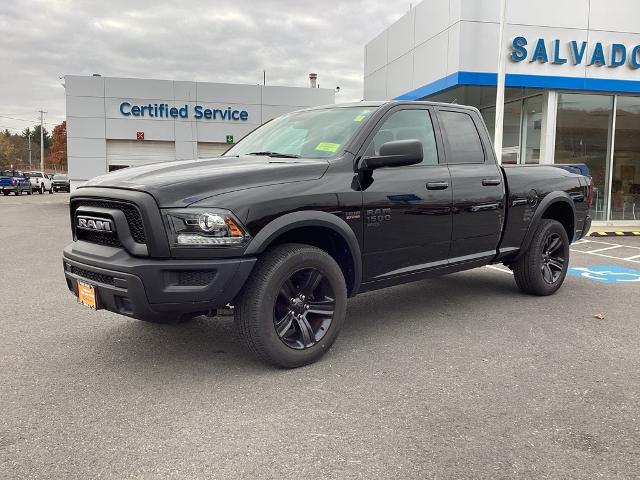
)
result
[(115, 123), (572, 81)]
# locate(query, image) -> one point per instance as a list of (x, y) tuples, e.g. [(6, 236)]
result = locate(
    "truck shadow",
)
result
[(211, 345)]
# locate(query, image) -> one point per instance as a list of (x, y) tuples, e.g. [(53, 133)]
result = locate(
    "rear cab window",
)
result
[(461, 137)]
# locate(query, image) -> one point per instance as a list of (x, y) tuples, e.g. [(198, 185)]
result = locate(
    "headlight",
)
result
[(204, 227)]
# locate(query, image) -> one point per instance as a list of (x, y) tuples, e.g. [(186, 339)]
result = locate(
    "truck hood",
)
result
[(182, 182)]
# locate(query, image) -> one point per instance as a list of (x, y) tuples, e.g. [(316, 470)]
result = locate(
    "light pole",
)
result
[(502, 60), (42, 112), (29, 139)]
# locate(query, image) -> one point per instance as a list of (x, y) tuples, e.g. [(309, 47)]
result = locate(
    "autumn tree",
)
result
[(59, 145), (8, 151)]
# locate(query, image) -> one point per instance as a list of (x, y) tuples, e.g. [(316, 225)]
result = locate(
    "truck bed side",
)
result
[(541, 191)]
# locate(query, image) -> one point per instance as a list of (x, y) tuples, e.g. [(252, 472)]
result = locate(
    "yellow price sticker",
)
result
[(327, 147), (359, 118)]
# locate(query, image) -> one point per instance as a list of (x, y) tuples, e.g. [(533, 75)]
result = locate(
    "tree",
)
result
[(59, 145), (8, 151), (35, 136)]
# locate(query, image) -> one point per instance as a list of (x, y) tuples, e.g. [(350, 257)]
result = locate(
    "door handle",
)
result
[(491, 182), (437, 185)]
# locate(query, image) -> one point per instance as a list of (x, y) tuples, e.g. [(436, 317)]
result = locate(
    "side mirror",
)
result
[(398, 153)]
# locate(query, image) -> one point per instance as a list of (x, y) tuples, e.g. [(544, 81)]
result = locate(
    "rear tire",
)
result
[(292, 308), (541, 270), (30, 191), (41, 190), (17, 192), (51, 190)]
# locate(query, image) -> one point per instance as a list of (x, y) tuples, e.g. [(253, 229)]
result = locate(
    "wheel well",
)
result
[(325, 239), (561, 212)]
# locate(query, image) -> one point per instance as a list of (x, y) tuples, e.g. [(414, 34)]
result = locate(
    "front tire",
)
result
[(541, 270), (292, 308)]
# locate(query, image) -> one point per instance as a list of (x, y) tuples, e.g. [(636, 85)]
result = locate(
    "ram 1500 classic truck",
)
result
[(312, 208)]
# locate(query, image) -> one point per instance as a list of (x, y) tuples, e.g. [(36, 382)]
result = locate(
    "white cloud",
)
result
[(225, 41)]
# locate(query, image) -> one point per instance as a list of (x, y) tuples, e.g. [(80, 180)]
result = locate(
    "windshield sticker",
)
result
[(359, 118), (328, 147)]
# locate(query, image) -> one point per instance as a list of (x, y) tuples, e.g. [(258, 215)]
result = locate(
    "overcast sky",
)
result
[(216, 41)]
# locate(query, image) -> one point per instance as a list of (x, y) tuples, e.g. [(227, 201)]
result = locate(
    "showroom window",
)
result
[(625, 177), (522, 125), (583, 135)]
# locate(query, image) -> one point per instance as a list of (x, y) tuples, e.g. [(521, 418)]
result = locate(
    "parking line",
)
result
[(632, 257), (606, 243), (493, 267), (603, 249), (605, 256)]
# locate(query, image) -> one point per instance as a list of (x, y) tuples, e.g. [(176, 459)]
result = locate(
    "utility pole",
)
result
[(42, 112), (502, 60), (29, 138)]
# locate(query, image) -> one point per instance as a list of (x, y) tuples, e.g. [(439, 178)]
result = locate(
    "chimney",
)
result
[(313, 77)]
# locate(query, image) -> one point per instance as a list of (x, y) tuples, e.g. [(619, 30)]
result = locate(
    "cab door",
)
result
[(478, 187), (406, 210)]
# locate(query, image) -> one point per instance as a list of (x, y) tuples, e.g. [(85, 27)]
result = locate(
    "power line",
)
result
[(6, 127), (20, 113), (25, 120)]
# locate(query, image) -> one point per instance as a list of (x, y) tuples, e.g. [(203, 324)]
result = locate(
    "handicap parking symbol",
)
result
[(606, 273)]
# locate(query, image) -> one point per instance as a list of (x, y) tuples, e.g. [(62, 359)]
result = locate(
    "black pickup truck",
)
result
[(312, 208)]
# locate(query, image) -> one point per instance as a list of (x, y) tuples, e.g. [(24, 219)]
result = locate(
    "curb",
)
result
[(616, 234)]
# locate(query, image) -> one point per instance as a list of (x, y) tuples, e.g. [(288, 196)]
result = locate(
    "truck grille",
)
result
[(134, 219), (102, 238)]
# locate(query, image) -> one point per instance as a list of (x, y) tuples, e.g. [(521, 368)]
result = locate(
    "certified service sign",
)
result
[(199, 112)]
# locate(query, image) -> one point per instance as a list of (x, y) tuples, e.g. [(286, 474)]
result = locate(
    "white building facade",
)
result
[(116, 123), (572, 81)]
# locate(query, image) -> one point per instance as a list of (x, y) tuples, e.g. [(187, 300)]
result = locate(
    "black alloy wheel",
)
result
[(303, 309), (541, 270), (552, 258), (293, 305)]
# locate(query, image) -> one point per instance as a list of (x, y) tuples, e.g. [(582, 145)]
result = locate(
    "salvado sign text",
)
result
[(575, 53), (163, 110)]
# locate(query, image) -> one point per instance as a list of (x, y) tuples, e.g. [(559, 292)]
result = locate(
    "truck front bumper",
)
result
[(151, 289)]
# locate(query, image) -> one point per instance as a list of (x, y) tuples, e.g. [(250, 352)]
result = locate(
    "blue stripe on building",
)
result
[(520, 80)]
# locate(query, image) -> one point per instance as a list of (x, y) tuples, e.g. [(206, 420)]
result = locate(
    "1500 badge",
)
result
[(376, 216)]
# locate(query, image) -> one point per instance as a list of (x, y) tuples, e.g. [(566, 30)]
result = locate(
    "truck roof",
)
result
[(390, 102)]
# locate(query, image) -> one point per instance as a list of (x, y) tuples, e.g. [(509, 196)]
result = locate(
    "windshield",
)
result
[(59, 177), (309, 134)]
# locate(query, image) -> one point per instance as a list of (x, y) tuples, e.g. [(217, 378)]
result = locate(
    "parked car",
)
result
[(40, 182), (312, 208), (60, 183), (14, 181)]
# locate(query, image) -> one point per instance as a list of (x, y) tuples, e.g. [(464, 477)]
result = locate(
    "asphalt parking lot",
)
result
[(457, 377)]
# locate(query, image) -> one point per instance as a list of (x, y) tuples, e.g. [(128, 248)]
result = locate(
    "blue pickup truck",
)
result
[(14, 181)]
